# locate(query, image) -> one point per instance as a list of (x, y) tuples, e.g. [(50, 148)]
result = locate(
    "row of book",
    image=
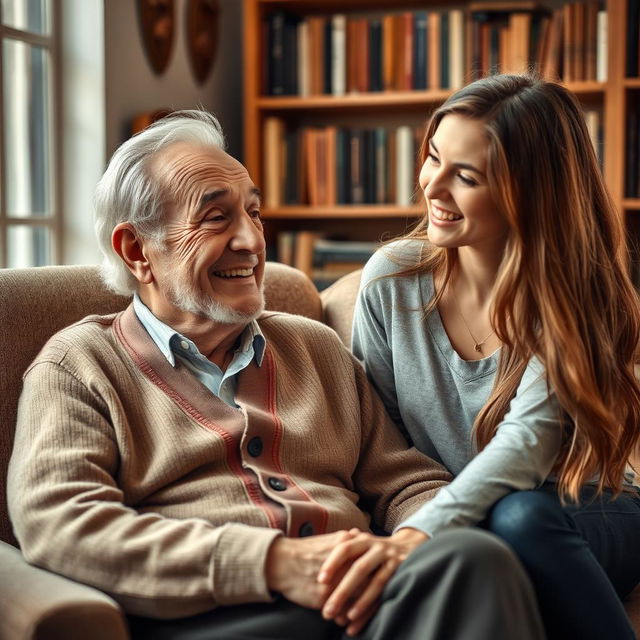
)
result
[(328, 166), (632, 178), (569, 42), (323, 260), (633, 39), (339, 54)]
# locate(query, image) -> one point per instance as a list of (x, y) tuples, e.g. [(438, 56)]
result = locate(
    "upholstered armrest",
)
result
[(37, 604)]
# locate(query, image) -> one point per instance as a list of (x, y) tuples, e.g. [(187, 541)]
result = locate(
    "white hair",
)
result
[(127, 192)]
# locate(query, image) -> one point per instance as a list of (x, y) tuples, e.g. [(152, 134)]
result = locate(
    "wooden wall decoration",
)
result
[(201, 36), (156, 19)]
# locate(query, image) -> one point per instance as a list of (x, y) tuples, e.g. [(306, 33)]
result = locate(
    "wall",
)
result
[(132, 87), (107, 81), (82, 123)]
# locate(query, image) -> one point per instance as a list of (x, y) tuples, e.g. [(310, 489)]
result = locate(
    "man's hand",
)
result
[(360, 567), (293, 565)]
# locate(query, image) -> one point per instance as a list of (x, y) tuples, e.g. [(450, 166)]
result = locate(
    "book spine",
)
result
[(272, 161), (420, 51), (375, 57), (380, 152), (445, 82), (327, 56), (290, 55), (591, 39), (407, 51), (433, 58), (633, 38), (342, 167), (303, 58), (456, 48), (602, 45), (276, 77), (405, 165), (339, 55)]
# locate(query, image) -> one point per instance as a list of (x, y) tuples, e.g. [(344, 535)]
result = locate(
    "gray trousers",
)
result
[(464, 584)]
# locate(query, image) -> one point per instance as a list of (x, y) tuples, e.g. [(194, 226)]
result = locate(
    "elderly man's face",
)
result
[(212, 264)]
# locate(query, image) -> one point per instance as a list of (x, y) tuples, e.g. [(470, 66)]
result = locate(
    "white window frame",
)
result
[(53, 222)]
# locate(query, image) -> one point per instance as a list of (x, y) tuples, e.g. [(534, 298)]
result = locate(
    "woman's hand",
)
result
[(293, 564), (367, 562)]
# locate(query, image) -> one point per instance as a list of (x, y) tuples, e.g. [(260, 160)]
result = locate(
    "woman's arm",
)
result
[(520, 456)]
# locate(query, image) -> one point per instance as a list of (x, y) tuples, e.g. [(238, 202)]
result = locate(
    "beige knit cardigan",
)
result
[(129, 475)]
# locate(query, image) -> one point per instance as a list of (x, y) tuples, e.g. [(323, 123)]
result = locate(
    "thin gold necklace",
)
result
[(477, 345)]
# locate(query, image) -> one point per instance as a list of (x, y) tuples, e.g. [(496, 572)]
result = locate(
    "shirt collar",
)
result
[(162, 334)]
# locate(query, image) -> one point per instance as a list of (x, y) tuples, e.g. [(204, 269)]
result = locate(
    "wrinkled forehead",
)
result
[(185, 169)]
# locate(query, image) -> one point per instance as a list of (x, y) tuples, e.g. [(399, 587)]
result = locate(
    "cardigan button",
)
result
[(255, 447), (277, 484), (306, 529)]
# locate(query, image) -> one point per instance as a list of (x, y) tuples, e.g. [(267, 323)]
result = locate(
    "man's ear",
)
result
[(131, 248)]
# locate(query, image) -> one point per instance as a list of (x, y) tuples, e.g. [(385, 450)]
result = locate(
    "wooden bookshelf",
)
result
[(610, 98)]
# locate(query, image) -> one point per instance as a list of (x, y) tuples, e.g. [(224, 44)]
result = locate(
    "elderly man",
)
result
[(198, 459)]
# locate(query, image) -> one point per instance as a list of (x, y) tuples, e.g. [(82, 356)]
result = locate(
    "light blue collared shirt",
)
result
[(174, 346)]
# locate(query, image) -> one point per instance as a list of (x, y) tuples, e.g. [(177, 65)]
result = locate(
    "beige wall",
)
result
[(131, 87)]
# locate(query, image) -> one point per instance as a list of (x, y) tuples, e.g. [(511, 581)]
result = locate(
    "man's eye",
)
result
[(255, 213)]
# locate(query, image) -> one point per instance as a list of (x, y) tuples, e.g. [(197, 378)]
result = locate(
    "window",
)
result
[(30, 221)]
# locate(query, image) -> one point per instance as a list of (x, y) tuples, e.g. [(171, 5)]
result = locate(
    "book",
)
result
[(272, 161), (339, 55), (456, 48), (303, 58), (292, 167), (406, 77), (276, 53), (343, 166), (381, 166), (420, 31), (579, 49), (388, 52), (404, 165), (356, 183), (362, 55), (327, 57), (602, 46), (316, 61), (591, 39), (284, 247), (433, 57), (633, 38), (445, 81), (303, 251), (552, 63), (519, 41), (375, 56)]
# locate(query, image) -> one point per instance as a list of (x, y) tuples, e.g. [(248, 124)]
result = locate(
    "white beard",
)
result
[(185, 297)]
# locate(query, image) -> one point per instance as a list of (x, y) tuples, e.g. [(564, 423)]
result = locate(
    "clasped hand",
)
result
[(342, 573)]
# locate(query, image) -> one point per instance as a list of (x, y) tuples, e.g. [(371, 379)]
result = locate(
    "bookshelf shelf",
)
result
[(355, 101), (347, 211), (610, 103)]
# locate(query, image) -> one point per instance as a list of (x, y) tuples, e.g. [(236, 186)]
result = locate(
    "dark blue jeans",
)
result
[(582, 558)]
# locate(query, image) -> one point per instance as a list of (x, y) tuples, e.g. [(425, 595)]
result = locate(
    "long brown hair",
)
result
[(562, 292)]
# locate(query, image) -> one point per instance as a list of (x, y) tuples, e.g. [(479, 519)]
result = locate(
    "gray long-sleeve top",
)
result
[(434, 396)]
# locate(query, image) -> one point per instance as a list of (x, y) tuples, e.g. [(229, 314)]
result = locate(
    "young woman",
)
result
[(502, 334)]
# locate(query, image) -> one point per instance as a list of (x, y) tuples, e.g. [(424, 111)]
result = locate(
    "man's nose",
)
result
[(248, 234)]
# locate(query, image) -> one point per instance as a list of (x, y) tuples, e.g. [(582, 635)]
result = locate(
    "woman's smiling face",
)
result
[(454, 182)]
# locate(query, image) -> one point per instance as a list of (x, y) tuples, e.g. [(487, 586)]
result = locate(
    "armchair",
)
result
[(34, 304)]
